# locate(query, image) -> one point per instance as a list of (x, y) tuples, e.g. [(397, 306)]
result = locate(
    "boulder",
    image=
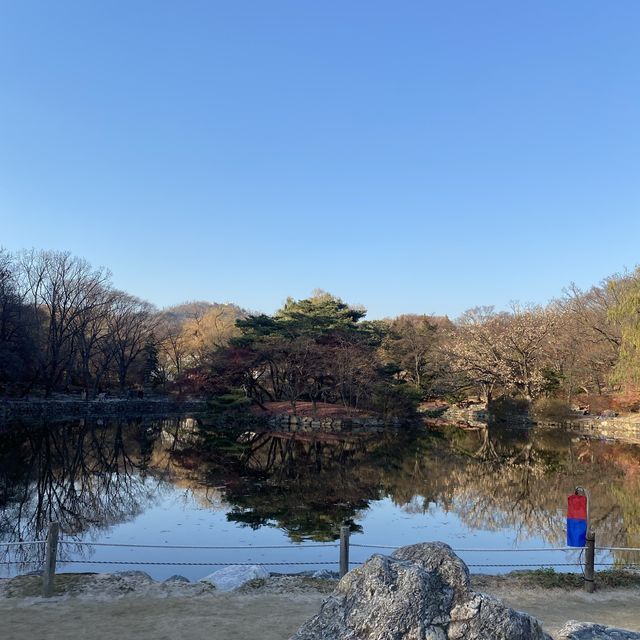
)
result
[(589, 631), (422, 592), (177, 578), (235, 576)]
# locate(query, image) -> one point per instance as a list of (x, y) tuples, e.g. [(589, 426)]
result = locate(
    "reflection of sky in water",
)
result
[(178, 517)]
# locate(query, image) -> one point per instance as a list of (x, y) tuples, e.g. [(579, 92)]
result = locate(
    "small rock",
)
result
[(589, 631), (177, 578), (235, 576)]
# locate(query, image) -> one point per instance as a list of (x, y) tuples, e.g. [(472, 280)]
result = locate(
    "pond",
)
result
[(495, 494)]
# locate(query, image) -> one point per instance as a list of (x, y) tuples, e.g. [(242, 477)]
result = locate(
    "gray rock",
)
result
[(589, 631), (235, 576), (324, 574), (439, 557), (177, 578), (422, 592)]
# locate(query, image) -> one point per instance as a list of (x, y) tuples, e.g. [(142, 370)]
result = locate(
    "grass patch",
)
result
[(549, 578), (31, 586)]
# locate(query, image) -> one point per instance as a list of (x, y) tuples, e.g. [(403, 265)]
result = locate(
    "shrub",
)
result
[(552, 409), (505, 407)]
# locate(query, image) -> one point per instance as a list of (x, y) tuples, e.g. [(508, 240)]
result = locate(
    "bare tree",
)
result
[(503, 350), (131, 323), (61, 289), (94, 352)]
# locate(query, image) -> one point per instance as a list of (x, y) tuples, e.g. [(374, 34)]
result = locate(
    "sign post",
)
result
[(579, 533)]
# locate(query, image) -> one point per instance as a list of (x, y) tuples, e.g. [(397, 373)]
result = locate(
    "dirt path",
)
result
[(264, 614), (212, 617), (553, 607)]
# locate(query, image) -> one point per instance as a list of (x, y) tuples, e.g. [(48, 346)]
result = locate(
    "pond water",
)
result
[(494, 494)]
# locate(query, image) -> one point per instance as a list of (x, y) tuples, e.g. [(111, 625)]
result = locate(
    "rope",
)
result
[(178, 546), (22, 544), (199, 564), (617, 548), (382, 546), (554, 564), (267, 564)]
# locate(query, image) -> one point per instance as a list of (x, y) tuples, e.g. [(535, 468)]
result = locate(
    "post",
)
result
[(581, 491), (589, 563), (50, 556), (344, 550)]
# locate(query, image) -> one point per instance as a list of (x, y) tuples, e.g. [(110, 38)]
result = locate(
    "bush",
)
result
[(505, 407), (396, 401), (552, 409)]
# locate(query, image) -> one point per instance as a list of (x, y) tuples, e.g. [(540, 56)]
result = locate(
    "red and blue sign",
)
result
[(576, 520)]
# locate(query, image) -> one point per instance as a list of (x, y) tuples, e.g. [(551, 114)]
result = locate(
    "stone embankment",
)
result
[(473, 415), (61, 409), (309, 424), (624, 428)]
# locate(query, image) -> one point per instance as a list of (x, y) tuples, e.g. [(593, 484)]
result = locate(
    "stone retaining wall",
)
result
[(475, 414), (619, 428), (61, 409), (622, 428), (332, 425)]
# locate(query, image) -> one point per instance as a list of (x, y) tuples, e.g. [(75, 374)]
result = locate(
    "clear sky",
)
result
[(408, 156)]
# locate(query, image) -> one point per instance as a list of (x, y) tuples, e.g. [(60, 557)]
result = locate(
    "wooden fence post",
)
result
[(589, 564), (50, 556), (344, 550)]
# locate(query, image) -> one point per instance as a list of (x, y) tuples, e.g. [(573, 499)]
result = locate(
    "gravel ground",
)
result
[(133, 606)]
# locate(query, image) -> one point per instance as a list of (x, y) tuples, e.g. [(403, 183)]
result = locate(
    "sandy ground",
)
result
[(212, 617), (270, 612), (554, 607)]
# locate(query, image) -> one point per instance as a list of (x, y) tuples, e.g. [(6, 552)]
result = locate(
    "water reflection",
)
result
[(90, 476)]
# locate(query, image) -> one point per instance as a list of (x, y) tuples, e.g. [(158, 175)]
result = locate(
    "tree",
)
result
[(93, 340), (473, 350), (591, 331), (414, 344), (205, 332), (626, 312), (131, 323), (17, 329), (316, 349), (503, 350), (61, 289), (527, 331)]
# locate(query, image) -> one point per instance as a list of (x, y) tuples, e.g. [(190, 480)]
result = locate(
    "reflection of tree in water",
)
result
[(520, 482), (89, 476), (495, 479), (306, 484), (84, 476)]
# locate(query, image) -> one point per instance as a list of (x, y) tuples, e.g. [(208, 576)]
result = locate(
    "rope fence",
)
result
[(53, 542), (188, 546)]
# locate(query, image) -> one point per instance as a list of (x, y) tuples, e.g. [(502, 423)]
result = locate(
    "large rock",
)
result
[(422, 592), (589, 631)]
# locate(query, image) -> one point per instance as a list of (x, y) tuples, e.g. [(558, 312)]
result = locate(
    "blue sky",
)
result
[(408, 156)]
